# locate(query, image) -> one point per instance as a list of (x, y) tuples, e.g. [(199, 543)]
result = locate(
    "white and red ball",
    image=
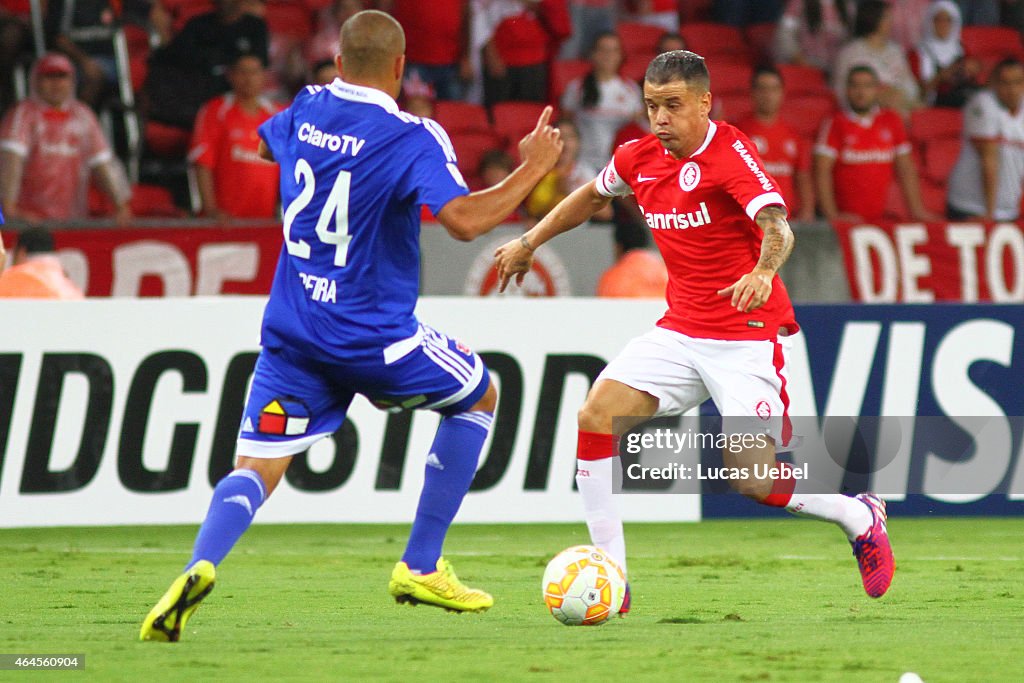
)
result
[(583, 586)]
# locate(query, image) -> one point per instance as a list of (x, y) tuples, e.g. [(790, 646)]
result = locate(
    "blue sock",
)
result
[(235, 501), (449, 472)]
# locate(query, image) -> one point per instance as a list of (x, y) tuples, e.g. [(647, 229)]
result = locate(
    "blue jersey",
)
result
[(354, 172)]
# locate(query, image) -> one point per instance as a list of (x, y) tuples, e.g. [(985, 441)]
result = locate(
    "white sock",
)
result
[(849, 513), (594, 479)]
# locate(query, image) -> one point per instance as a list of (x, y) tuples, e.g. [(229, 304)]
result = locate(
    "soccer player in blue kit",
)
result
[(354, 172)]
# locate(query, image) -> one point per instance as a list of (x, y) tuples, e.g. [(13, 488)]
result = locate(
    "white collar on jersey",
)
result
[(359, 93), (866, 120), (712, 129)]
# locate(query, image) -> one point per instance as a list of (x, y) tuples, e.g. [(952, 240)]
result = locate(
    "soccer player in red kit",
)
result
[(720, 223)]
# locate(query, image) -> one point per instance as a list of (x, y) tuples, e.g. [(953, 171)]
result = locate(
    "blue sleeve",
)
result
[(276, 130), (433, 176)]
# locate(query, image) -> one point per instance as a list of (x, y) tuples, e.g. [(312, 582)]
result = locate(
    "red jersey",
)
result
[(864, 148), (433, 30), (700, 210), (60, 146), (225, 140), (783, 153)]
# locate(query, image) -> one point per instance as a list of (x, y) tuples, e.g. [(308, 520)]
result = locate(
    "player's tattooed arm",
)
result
[(754, 289), (777, 243)]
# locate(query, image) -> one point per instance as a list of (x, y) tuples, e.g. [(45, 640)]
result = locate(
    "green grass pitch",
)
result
[(764, 600)]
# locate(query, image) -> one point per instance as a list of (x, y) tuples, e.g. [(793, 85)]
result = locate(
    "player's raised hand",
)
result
[(512, 258), (543, 145), (751, 291)]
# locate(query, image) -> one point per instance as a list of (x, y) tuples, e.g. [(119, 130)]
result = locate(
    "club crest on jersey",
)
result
[(763, 409), (284, 417), (689, 176)]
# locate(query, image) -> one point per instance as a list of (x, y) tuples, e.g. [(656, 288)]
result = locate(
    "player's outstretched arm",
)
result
[(516, 257), (753, 289), (476, 214)]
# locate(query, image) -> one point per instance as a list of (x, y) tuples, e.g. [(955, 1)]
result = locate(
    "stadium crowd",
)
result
[(837, 95)]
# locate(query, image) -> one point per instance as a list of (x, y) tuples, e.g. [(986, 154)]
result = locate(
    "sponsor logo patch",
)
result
[(284, 417)]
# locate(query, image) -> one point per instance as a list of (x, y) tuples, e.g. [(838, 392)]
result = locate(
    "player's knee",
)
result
[(489, 401), (754, 488), (595, 416)]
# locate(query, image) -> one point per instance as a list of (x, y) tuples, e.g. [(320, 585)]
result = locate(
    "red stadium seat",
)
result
[(183, 10), (635, 68), (638, 39), (564, 71), (470, 147), (291, 19), (513, 120), (154, 201), (933, 196), (940, 156), (709, 39), (732, 107), (732, 78), (806, 113), (803, 80), (759, 38), (166, 141), (461, 117), (993, 42), (695, 10), (931, 123)]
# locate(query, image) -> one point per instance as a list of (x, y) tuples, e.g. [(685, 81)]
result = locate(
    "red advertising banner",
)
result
[(170, 261), (920, 263)]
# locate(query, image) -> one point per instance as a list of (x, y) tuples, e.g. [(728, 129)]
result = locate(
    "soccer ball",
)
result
[(583, 586)]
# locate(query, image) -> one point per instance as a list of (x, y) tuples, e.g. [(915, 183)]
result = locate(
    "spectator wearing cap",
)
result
[(234, 182), (50, 146), (36, 272)]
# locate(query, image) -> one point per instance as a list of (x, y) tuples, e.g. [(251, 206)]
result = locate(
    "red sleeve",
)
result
[(99, 150), (745, 177), (900, 139), (554, 14), (829, 139), (205, 135)]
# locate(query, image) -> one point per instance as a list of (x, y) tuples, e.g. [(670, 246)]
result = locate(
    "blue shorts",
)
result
[(295, 401)]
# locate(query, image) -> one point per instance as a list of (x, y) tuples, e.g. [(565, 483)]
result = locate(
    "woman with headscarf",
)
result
[(947, 76)]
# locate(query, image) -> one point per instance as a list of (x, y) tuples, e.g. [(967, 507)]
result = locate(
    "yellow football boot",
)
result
[(440, 588), (166, 620)]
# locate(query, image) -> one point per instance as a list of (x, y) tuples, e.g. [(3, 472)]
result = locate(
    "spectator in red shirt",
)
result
[(50, 145), (786, 155), (437, 40), (858, 152), (234, 182), (516, 57)]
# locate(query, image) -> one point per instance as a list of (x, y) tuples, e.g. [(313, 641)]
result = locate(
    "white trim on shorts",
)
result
[(276, 449)]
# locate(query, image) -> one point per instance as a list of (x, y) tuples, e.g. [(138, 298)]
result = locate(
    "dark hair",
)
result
[(35, 241), (869, 16), (659, 46), (495, 157), (861, 69), (678, 65), (1005, 63), (322, 64), (589, 92), (762, 70)]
